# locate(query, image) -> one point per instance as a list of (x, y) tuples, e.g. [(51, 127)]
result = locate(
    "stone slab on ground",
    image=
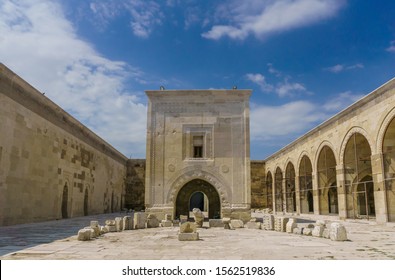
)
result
[(193, 236)]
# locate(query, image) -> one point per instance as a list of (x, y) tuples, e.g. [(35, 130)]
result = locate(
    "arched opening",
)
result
[(327, 189), (268, 194), (389, 168), (194, 190), (278, 189), (86, 202), (358, 177), (306, 185), (65, 198), (290, 188), (310, 202)]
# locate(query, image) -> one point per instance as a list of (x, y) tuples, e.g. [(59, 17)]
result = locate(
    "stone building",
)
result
[(198, 153), (51, 166), (344, 167)]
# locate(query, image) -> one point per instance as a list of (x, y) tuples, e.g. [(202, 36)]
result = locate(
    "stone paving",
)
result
[(58, 240)]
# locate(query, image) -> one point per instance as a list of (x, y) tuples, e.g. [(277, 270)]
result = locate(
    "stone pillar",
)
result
[(316, 194), (380, 196), (284, 194), (341, 192), (297, 195)]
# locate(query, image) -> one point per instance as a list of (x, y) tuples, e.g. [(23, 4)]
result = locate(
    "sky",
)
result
[(305, 60)]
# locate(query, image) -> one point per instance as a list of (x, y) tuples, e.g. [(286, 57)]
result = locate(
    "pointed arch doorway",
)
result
[(201, 194)]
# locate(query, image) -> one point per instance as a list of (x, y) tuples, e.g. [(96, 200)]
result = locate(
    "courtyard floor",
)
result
[(57, 240)]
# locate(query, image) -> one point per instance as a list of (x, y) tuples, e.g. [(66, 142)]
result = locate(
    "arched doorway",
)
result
[(269, 191), (326, 173), (194, 190), (389, 168), (86, 202), (358, 176), (65, 198), (306, 186), (278, 188), (290, 188)]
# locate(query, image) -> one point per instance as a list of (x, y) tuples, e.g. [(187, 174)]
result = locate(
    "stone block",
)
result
[(326, 233), (291, 225), (166, 223), (168, 217), (193, 236), (298, 230), (127, 222), (103, 229), (110, 223), (268, 222), (280, 224), (110, 228), (318, 230), (253, 225), (94, 233), (338, 232), (307, 231), (216, 223), (320, 223), (236, 223), (84, 235), (119, 224), (139, 220), (183, 219), (152, 221), (94, 224), (226, 222), (188, 227)]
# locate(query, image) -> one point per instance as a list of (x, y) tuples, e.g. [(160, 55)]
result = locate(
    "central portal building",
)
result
[(198, 153)]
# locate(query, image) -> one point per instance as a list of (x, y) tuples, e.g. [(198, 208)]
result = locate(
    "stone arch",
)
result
[(182, 203), (269, 190), (305, 171), (357, 164), (327, 184), (349, 134), (387, 148), (383, 129), (290, 192), (218, 183), (301, 155), (319, 149), (278, 189)]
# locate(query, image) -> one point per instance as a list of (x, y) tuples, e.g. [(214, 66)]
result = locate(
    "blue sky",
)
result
[(305, 60)]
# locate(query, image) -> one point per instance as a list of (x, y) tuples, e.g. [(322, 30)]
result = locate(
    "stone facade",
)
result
[(51, 166), (135, 184), (198, 142), (258, 190), (344, 167)]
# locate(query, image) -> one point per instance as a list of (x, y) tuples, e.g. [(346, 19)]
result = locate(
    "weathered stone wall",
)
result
[(51, 166), (135, 184), (258, 184)]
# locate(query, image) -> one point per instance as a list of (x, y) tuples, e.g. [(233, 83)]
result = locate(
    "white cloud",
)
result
[(341, 101), (40, 44), (391, 48), (289, 89), (144, 15), (264, 17), (260, 80), (341, 67), (294, 118)]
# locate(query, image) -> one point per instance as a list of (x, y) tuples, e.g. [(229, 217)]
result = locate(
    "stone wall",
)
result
[(258, 184), (51, 166), (135, 184)]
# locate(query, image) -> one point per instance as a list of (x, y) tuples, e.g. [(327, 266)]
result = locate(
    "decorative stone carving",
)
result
[(268, 222), (280, 224), (188, 232), (127, 223)]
